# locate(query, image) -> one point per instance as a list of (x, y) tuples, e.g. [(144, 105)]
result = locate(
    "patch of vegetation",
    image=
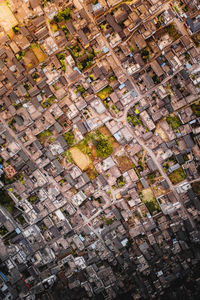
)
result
[(173, 33), (196, 109), (112, 78), (51, 140), (62, 181), (134, 120), (174, 121), (20, 55), (103, 145), (177, 176), (16, 29), (151, 177), (21, 178), (92, 172), (98, 200), (55, 86), (11, 124), (87, 62), (61, 58), (176, 8), (121, 181), (196, 39), (114, 108), (196, 188), (7, 202), (34, 45), (107, 221), (66, 31), (145, 54), (149, 200), (156, 79), (104, 93), (76, 50), (21, 220), (106, 104), (184, 8), (80, 89), (26, 86), (67, 154), (17, 105), (43, 136), (33, 198), (185, 157), (43, 227), (152, 206), (62, 15), (54, 27), (102, 26), (35, 75), (83, 145), (47, 102), (187, 56), (3, 230), (69, 138), (44, 2)]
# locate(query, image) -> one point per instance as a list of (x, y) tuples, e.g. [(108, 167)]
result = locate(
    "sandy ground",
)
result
[(162, 134), (41, 56), (7, 19), (147, 194), (82, 160)]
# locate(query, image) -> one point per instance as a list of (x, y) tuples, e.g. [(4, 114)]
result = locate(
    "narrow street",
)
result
[(160, 169), (123, 118)]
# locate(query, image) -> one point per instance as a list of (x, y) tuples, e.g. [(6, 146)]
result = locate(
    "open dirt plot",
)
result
[(41, 56), (162, 133), (7, 19), (30, 59), (124, 162), (196, 187), (81, 160), (158, 190), (150, 201), (147, 194)]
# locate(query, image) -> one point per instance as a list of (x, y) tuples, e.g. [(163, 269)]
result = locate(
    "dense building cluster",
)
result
[(99, 149)]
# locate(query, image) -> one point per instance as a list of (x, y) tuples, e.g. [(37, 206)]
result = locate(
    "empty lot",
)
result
[(7, 19), (81, 160)]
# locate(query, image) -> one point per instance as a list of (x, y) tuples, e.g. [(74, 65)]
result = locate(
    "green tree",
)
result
[(173, 121), (69, 138), (80, 66), (60, 56), (88, 63), (103, 147), (187, 56), (145, 54), (16, 29), (63, 15), (134, 120), (80, 89)]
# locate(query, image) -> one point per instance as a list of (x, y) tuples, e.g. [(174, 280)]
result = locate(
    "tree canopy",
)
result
[(63, 15), (103, 146)]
